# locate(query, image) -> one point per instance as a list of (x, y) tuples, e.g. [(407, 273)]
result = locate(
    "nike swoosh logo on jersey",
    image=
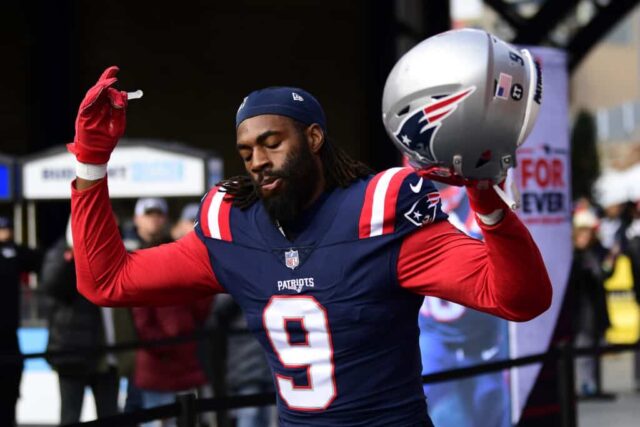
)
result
[(416, 187)]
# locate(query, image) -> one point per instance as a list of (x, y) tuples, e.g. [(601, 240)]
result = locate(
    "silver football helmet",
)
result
[(462, 102)]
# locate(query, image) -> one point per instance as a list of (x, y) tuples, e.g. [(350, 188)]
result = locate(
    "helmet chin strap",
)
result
[(513, 203)]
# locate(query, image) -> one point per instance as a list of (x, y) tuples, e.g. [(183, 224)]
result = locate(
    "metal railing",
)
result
[(187, 406)]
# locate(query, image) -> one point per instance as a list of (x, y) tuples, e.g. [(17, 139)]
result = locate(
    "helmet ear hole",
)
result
[(404, 111)]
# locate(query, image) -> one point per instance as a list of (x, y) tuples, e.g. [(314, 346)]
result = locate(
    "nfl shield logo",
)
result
[(291, 259)]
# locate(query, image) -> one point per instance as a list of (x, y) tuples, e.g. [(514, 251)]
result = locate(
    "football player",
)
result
[(329, 262)]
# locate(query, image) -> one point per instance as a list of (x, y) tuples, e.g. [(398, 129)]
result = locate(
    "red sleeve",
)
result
[(504, 275), (171, 274)]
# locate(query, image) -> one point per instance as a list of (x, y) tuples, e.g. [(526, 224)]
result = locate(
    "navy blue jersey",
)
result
[(341, 335)]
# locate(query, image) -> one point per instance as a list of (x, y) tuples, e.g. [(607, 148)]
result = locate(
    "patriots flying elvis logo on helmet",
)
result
[(417, 130)]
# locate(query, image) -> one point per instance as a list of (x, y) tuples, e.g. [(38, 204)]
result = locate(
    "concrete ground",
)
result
[(624, 411)]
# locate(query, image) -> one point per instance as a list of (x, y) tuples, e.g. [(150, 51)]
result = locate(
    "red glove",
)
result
[(482, 197), (101, 120)]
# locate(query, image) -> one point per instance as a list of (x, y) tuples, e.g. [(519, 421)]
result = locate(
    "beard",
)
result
[(299, 177)]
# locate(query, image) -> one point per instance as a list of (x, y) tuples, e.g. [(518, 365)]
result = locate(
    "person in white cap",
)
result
[(591, 265), (150, 219), (186, 222)]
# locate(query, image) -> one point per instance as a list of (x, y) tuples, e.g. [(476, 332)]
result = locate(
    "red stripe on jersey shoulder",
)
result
[(224, 218), (215, 214), (369, 220), (391, 200)]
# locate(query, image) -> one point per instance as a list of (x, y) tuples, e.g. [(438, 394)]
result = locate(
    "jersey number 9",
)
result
[(315, 354)]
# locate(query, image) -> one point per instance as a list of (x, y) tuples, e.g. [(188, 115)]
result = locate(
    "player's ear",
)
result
[(315, 137)]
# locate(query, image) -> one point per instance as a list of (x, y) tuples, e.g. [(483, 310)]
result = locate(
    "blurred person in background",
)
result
[(164, 371), (633, 251), (612, 225), (151, 221), (620, 231), (77, 324), (15, 260), (186, 222), (592, 264), (184, 225), (244, 366)]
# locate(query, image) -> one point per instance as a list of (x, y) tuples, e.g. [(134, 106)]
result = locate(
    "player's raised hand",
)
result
[(488, 200), (101, 120), (484, 195)]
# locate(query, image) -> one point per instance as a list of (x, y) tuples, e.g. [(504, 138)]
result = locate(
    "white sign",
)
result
[(134, 171), (543, 177), (614, 187)]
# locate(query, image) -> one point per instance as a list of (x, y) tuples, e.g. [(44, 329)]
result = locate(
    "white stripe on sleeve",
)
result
[(379, 196), (212, 215)]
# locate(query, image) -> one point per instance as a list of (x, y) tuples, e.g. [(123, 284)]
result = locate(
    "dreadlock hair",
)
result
[(340, 170)]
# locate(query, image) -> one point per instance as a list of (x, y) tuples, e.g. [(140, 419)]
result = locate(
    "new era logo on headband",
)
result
[(244, 101), (296, 97)]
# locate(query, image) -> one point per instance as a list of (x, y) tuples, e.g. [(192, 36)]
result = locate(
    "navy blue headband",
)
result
[(292, 102)]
